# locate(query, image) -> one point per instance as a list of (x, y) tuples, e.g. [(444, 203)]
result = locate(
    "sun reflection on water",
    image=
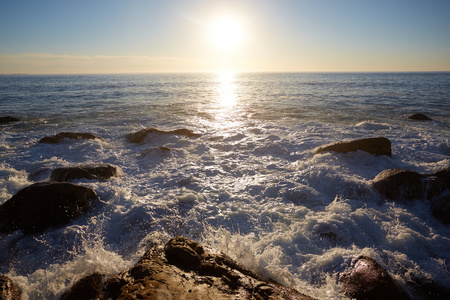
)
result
[(227, 115), (227, 88)]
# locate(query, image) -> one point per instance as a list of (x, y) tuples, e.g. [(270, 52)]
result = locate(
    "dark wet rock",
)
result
[(68, 135), (441, 209), (368, 280), (8, 119), (419, 117), (158, 151), (92, 172), (375, 146), (444, 175), (138, 137), (8, 290), (428, 289), (40, 174), (88, 287), (398, 184), (44, 205), (183, 269)]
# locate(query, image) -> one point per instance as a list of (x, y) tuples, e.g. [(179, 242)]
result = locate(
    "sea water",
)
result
[(250, 186)]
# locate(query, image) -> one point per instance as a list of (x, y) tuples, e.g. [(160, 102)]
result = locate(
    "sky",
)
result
[(134, 36)]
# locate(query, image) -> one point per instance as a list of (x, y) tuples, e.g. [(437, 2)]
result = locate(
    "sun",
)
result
[(227, 33)]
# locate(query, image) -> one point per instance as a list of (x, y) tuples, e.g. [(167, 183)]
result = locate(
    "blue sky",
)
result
[(111, 36)]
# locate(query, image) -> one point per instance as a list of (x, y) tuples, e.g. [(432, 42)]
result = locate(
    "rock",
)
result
[(67, 135), (88, 287), (44, 205), (444, 175), (398, 184), (8, 119), (375, 146), (183, 269), (40, 174), (368, 280), (427, 289), (8, 290), (441, 209), (138, 137), (94, 172), (419, 117), (158, 151)]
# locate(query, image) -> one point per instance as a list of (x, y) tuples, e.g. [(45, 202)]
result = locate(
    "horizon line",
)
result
[(206, 72)]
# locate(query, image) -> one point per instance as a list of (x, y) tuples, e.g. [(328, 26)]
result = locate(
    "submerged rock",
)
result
[(398, 184), (375, 146), (138, 137), (159, 151), (67, 135), (44, 205), (8, 290), (419, 117), (8, 119), (88, 287), (91, 172), (183, 269), (368, 280)]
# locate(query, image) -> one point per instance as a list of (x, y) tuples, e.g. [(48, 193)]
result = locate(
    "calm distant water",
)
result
[(250, 186)]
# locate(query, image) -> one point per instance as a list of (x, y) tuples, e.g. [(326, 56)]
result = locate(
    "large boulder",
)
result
[(138, 137), (55, 139), (8, 119), (375, 146), (92, 172), (398, 184), (183, 269), (419, 117), (44, 205), (8, 290), (368, 280), (88, 287)]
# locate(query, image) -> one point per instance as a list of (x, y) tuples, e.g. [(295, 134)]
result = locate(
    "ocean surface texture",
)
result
[(249, 186)]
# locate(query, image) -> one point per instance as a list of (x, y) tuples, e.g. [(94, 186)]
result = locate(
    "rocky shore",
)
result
[(183, 268)]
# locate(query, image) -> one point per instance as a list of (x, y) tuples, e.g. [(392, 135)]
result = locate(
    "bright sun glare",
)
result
[(227, 33)]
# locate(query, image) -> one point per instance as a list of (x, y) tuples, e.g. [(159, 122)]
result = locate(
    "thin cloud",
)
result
[(46, 63)]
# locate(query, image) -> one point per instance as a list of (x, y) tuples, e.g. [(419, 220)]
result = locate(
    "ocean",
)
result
[(250, 186)]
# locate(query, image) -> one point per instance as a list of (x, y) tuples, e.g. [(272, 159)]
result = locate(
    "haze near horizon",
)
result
[(56, 37)]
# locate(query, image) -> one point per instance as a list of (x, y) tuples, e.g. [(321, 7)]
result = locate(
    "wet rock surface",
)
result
[(441, 209), (8, 119), (368, 280), (375, 146), (444, 175), (100, 172), (419, 117), (399, 184), (138, 137), (428, 290), (44, 205), (88, 287), (8, 290), (68, 135), (156, 151), (183, 269)]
